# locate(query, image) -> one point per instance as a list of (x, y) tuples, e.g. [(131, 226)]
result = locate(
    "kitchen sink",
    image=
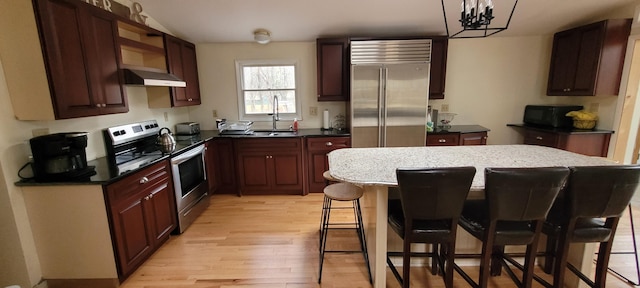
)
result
[(272, 133)]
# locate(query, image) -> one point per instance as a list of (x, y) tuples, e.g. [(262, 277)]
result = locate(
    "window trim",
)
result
[(267, 62)]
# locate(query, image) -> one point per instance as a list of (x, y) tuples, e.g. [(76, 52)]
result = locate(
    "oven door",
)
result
[(189, 177)]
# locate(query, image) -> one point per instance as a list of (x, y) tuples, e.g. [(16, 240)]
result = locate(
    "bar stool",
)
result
[(328, 179), (516, 204), (593, 193), (342, 192), (431, 200)]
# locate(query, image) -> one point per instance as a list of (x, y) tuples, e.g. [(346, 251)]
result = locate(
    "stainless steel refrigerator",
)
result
[(389, 92)]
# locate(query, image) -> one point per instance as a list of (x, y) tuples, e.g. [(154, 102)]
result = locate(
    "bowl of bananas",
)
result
[(583, 119)]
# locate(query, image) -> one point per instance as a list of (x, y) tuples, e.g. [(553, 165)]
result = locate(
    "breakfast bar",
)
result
[(374, 169)]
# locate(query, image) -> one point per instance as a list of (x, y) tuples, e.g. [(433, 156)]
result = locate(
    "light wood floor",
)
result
[(272, 241)]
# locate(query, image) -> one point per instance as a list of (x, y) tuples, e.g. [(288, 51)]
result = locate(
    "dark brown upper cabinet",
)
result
[(437, 76), (81, 58), (333, 69), (181, 61), (588, 60)]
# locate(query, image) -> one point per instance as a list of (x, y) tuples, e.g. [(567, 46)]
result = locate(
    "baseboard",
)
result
[(82, 283)]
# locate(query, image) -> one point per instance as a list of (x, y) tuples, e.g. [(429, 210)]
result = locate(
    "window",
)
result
[(259, 82)]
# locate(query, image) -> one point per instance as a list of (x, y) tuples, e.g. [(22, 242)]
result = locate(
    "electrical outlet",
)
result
[(215, 113), (166, 116), (444, 108), (313, 111), (593, 107)]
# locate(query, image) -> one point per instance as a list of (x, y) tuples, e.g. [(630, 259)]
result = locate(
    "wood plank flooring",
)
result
[(272, 241)]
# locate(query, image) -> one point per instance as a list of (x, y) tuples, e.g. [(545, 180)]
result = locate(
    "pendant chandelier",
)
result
[(476, 18)]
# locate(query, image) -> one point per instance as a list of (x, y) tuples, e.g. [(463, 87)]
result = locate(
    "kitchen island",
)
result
[(375, 170)]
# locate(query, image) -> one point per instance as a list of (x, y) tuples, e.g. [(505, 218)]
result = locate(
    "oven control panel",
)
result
[(125, 133)]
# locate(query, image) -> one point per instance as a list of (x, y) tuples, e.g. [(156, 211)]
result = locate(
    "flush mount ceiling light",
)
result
[(479, 19), (262, 36)]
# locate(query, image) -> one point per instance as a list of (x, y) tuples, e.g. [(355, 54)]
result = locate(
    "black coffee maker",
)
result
[(60, 157)]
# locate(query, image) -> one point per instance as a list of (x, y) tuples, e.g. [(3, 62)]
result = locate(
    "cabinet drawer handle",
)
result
[(538, 137), (329, 144), (144, 180), (190, 99), (442, 140)]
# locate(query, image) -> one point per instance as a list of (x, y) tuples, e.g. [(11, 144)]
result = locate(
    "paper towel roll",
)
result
[(325, 119)]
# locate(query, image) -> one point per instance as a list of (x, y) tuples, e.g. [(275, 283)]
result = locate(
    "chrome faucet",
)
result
[(276, 115)]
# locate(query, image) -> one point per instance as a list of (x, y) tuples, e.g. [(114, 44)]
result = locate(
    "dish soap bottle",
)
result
[(295, 124)]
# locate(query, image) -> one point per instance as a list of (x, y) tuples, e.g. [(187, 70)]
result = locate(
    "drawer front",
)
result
[(269, 144), (137, 182), (540, 138), (328, 143), (449, 139)]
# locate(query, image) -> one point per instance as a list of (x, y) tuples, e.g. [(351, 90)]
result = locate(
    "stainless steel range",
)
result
[(133, 146)]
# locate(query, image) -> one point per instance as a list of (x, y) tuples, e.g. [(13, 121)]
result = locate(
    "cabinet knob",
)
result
[(146, 198), (144, 180), (329, 144), (485, 137), (538, 137), (442, 140), (190, 99)]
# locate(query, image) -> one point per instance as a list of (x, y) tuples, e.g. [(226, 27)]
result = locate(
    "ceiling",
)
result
[(209, 21)]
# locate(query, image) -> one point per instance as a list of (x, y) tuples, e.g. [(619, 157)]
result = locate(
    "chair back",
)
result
[(434, 193), (522, 194), (601, 191)]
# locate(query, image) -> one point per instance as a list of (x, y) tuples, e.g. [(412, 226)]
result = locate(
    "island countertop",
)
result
[(376, 166)]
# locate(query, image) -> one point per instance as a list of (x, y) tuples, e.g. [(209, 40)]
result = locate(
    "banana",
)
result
[(582, 115)]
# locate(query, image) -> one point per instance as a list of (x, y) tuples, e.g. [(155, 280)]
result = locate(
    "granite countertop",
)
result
[(377, 166), (561, 130), (106, 171), (460, 129)]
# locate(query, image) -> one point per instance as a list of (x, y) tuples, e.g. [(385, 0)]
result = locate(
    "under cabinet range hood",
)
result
[(149, 78)]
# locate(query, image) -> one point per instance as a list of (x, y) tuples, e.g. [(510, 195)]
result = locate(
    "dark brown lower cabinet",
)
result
[(270, 166), (317, 162), (224, 170), (587, 143), (457, 139), (143, 214)]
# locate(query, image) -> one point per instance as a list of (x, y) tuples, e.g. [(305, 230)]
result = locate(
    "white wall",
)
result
[(19, 263), (216, 68)]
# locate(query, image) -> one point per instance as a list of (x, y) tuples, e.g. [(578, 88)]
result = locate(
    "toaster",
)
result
[(187, 128)]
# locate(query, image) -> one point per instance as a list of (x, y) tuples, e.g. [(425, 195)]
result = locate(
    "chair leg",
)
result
[(485, 261), (322, 221), (604, 254), (549, 254), (323, 237), (448, 265), (496, 263), (434, 259), (406, 262), (561, 255), (530, 257), (363, 239)]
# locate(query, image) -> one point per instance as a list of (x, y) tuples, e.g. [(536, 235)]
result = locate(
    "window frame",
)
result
[(242, 115)]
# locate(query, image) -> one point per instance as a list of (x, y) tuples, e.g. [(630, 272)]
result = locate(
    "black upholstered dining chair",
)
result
[(428, 210), (516, 204), (588, 211)]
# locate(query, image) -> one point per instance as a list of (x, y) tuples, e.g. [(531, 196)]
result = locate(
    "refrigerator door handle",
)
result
[(381, 108), (384, 107)]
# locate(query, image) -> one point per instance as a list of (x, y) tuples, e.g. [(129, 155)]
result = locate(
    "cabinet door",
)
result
[(333, 69), (586, 69), (134, 242), (287, 172), (478, 138), (564, 58), (181, 61), (317, 161), (161, 210), (253, 171), (210, 161), (225, 166), (81, 59), (438, 73)]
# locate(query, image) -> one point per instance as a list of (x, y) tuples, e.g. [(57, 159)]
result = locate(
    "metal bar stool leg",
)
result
[(635, 253)]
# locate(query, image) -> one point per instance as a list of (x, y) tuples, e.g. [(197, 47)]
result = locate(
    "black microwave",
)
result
[(550, 115)]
